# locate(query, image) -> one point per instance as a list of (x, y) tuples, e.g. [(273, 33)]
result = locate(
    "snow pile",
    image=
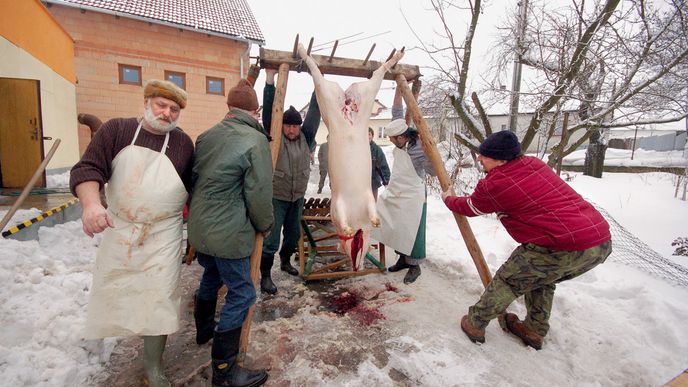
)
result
[(60, 180), (43, 307)]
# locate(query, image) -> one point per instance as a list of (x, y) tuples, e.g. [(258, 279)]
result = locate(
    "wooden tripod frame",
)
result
[(316, 217)]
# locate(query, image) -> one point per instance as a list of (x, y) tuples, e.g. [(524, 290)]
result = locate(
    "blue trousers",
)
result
[(241, 294)]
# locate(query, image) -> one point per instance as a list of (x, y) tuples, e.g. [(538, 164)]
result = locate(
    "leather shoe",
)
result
[(518, 328), (400, 265), (474, 334), (267, 286), (412, 274)]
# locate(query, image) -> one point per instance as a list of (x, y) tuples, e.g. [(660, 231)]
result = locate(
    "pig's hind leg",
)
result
[(372, 210), (341, 218)]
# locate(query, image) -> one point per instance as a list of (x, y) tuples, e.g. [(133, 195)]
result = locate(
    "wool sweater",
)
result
[(115, 135)]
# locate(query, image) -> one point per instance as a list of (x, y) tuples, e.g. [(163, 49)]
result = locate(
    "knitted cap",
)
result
[(165, 89), (243, 96), (292, 117), (501, 146), (396, 128)]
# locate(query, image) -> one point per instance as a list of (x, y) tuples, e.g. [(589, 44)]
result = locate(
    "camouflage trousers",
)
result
[(533, 271)]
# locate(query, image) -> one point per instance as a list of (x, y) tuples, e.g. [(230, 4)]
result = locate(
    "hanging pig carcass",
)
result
[(346, 115)]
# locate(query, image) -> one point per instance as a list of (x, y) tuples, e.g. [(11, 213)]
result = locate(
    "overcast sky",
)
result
[(327, 21)]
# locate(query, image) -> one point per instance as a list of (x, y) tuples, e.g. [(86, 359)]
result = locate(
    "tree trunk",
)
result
[(594, 156)]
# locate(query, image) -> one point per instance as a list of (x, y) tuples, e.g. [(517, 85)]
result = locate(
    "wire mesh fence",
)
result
[(630, 250)]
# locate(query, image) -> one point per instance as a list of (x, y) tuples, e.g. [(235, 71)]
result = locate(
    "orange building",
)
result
[(37, 93), (201, 45)]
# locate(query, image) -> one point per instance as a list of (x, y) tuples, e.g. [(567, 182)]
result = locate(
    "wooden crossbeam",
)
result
[(272, 59)]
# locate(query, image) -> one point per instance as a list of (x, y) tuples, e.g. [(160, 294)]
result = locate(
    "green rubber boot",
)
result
[(153, 347)]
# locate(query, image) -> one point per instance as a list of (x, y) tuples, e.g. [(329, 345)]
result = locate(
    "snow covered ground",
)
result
[(616, 325)]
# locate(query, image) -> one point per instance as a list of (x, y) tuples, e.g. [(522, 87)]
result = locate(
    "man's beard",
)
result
[(157, 122)]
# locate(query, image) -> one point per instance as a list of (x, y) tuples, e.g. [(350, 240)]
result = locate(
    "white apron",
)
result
[(400, 205), (135, 287)]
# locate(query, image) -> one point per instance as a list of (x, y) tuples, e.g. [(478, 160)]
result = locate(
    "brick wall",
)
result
[(103, 41)]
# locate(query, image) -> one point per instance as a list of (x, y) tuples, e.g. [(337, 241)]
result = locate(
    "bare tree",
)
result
[(617, 63)]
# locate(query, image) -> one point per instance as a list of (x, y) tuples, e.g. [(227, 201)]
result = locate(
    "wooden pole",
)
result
[(29, 186), (430, 149), (278, 112), (276, 134), (415, 90)]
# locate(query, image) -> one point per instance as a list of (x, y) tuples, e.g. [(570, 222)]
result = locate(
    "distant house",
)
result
[(37, 92), (201, 45), (658, 137)]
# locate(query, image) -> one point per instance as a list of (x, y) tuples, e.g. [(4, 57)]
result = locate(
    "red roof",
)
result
[(232, 18)]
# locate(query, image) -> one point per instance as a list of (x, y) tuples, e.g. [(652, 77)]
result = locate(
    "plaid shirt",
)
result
[(535, 206)]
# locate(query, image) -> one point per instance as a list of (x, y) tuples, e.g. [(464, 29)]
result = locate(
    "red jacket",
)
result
[(535, 206)]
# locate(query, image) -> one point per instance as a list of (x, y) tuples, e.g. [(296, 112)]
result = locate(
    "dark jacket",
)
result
[(535, 206), (293, 163), (232, 193), (323, 154), (381, 173)]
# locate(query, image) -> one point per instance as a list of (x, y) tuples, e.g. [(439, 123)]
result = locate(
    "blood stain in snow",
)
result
[(350, 303)]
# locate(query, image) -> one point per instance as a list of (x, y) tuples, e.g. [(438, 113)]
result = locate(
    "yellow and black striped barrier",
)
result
[(43, 216)]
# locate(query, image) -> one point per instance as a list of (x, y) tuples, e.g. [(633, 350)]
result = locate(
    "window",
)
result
[(503, 127), (214, 85), (380, 132), (178, 79), (129, 75)]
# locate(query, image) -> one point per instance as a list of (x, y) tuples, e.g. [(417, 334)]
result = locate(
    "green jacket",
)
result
[(232, 187)]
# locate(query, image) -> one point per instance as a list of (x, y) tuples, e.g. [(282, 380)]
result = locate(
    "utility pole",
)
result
[(518, 55)]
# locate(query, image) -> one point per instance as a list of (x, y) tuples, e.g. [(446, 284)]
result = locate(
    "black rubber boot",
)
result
[(285, 265), (204, 315), (266, 284), (226, 372), (400, 265), (412, 274)]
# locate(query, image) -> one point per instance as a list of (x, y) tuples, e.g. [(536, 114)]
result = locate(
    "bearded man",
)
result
[(144, 164)]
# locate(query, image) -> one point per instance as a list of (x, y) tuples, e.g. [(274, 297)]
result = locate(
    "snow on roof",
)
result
[(232, 18)]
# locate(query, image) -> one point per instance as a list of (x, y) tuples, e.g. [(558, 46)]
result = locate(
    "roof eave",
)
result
[(156, 21)]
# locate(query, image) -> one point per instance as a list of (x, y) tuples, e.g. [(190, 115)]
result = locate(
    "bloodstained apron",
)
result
[(135, 287)]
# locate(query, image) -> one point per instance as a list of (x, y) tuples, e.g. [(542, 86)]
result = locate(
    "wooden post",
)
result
[(25, 192), (415, 90), (278, 112), (564, 134), (276, 134), (430, 149)]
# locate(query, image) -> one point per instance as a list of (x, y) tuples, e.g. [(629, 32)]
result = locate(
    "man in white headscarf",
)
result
[(402, 207)]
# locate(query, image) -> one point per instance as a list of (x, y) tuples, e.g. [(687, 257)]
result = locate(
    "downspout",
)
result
[(241, 60), (91, 121)]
